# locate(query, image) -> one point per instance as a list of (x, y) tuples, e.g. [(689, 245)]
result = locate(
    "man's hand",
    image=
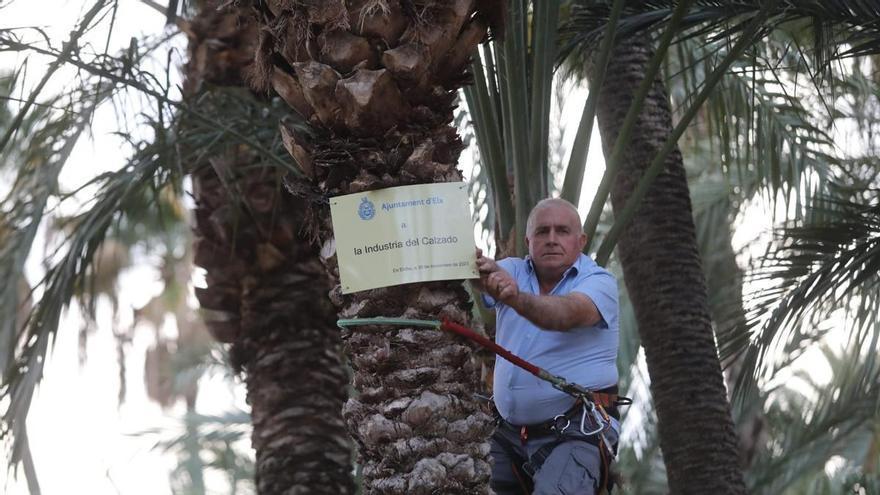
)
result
[(495, 280), (546, 311)]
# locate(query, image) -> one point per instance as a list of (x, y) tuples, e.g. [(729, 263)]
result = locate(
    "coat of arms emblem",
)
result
[(366, 210)]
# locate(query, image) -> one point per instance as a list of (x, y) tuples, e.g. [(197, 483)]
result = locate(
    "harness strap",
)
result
[(518, 468), (539, 457)]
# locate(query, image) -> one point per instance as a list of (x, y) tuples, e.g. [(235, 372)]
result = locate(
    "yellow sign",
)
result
[(402, 235)]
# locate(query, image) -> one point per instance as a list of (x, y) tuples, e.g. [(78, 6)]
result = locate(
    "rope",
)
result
[(381, 320), (497, 349)]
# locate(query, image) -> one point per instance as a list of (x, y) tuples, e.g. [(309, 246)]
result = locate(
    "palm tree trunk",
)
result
[(662, 270), (290, 351), (266, 289), (377, 79)]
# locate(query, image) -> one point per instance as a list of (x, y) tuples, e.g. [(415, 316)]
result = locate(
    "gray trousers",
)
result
[(572, 468)]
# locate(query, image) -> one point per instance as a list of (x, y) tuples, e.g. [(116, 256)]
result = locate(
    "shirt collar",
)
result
[(574, 269)]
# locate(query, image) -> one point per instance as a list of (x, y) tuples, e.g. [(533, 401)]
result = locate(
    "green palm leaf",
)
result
[(842, 28), (66, 274), (769, 141), (209, 441), (819, 421), (831, 262)]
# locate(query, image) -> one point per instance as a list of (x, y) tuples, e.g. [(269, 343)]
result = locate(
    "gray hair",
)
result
[(544, 203)]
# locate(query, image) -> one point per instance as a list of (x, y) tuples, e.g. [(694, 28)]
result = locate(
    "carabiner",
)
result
[(596, 418)]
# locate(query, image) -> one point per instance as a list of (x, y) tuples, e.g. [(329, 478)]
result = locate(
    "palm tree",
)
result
[(272, 299), (662, 269), (376, 80), (800, 145), (266, 289), (313, 450)]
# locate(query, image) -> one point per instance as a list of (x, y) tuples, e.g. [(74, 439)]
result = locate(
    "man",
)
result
[(558, 309)]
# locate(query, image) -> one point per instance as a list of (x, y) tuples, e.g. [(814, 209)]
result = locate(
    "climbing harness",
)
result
[(594, 419)]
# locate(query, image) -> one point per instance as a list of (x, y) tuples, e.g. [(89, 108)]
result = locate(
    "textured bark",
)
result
[(415, 419), (663, 275), (376, 79), (267, 290), (296, 382)]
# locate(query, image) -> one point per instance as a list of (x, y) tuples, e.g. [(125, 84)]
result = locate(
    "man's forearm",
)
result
[(559, 313)]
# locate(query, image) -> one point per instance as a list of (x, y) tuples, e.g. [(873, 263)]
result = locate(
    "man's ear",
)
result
[(583, 241)]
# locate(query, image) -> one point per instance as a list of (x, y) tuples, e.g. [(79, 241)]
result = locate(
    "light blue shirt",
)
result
[(584, 355)]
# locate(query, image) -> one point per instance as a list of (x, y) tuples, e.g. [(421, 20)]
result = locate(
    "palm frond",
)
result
[(41, 152), (207, 441), (769, 141), (544, 22), (226, 427), (478, 182), (127, 204), (574, 173), (815, 422), (513, 71), (65, 275), (713, 218), (750, 32), (24, 208), (125, 72), (856, 103), (67, 51), (630, 340), (830, 263), (837, 29), (509, 103)]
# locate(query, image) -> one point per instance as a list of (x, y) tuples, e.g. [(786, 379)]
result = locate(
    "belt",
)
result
[(607, 398)]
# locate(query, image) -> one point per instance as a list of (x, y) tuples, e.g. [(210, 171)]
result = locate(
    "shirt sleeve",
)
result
[(488, 302), (601, 288)]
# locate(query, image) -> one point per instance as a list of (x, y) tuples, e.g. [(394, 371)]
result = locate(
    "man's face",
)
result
[(556, 239)]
